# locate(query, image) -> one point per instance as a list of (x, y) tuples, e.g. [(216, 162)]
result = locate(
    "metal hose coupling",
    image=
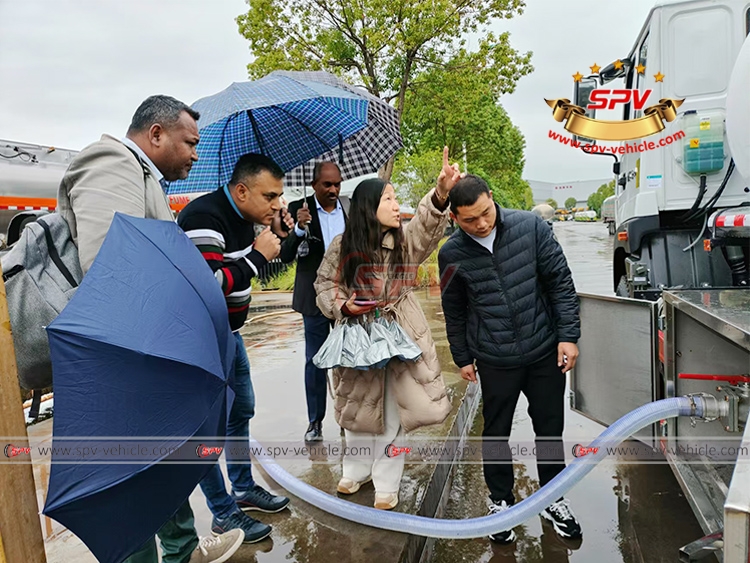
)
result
[(707, 407)]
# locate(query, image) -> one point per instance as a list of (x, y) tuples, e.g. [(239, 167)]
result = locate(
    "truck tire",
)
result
[(622, 288)]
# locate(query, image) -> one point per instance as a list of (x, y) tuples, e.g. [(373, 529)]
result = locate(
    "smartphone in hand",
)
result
[(362, 303)]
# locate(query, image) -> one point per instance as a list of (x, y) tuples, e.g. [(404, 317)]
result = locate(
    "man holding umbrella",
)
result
[(128, 176), (320, 218), (220, 224)]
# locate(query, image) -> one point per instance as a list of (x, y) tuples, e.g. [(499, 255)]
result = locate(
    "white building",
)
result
[(579, 189)]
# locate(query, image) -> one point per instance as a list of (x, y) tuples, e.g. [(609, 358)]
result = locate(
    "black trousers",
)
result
[(543, 383), (317, 329)]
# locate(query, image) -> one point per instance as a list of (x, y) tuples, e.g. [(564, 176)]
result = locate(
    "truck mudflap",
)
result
[(618, 367)]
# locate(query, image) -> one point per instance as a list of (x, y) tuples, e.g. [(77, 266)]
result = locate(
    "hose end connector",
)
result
[(707, 407)]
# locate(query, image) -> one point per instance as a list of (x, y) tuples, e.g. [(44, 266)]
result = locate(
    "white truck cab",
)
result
[(682, 249), (666, 195)]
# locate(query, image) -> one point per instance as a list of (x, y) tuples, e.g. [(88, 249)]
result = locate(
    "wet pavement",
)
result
[(629, 513), (588, 249)]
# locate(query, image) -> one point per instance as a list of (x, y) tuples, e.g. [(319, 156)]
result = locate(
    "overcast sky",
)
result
[(73, 69)]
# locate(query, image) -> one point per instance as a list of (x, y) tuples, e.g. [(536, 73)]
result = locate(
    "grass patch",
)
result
[(281, 282)]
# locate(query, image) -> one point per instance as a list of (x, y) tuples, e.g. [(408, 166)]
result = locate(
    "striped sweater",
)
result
[(225, 239)]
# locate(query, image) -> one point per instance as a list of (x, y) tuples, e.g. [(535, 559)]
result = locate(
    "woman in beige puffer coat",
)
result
[(374, 261)]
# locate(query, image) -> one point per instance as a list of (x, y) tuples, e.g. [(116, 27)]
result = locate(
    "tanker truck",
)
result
[(29, 177)]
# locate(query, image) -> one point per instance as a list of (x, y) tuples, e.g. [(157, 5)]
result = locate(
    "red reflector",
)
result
[(622, 236), (707, 245)]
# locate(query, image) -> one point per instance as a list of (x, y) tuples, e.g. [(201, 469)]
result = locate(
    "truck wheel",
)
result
[(622, 288)]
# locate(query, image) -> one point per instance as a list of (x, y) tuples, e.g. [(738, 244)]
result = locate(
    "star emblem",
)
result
[(577, 77), (641, 69), (659, 77), (618, 64), (595, 69)]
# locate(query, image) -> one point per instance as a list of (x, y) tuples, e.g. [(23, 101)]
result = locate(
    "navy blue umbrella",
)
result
[(289, 120), (142, 357)]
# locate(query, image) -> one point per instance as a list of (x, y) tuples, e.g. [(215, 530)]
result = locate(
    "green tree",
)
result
[(596, 199), (382, 44), (551, 202), (415, 174), (448, 106), (570, 203)]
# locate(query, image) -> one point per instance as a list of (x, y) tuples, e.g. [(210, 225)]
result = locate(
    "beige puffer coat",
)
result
[(419, 386)]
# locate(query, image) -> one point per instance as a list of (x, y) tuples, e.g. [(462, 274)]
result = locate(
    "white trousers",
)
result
[(366, 452)]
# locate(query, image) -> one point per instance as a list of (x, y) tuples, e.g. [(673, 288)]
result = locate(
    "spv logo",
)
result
[(604, 98)]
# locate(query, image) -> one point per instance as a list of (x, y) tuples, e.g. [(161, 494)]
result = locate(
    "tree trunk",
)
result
[(386, 170)]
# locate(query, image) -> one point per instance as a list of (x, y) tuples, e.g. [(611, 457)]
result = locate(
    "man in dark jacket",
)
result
[(320, 218), (510, 306)]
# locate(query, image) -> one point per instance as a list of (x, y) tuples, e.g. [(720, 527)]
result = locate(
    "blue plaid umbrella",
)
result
[(365, 151), (290, 121)]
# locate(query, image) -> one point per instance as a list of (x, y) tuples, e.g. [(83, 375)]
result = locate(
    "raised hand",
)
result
[(268, 244), (449, 175), (283, 217), (303, 217)]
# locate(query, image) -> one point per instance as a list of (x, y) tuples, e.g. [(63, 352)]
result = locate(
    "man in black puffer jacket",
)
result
[(510, 306)]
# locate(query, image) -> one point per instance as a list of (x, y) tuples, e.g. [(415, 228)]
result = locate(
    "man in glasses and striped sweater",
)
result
[(221, 224)]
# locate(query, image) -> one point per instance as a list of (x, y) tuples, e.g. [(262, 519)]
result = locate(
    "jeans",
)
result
[(317, 329), (238, 425), (178, 540)]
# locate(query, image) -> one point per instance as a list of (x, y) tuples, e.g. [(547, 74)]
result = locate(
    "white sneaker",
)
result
[(218, 549), (386, 501), (506, 536), (350, 486)]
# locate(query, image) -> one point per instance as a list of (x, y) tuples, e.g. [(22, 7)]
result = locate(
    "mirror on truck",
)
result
[(612, 72), (582, 98)]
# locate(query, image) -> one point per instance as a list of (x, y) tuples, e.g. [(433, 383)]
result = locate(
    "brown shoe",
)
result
[(386, 501), (349, 486), (218, 549)]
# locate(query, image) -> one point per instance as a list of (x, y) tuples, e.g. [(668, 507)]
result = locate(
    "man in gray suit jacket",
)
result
[(128, 176)]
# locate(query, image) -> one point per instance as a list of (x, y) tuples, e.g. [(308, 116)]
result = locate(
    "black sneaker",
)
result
[(507, 536), (562, 519), (260, 499), (254, 530)]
